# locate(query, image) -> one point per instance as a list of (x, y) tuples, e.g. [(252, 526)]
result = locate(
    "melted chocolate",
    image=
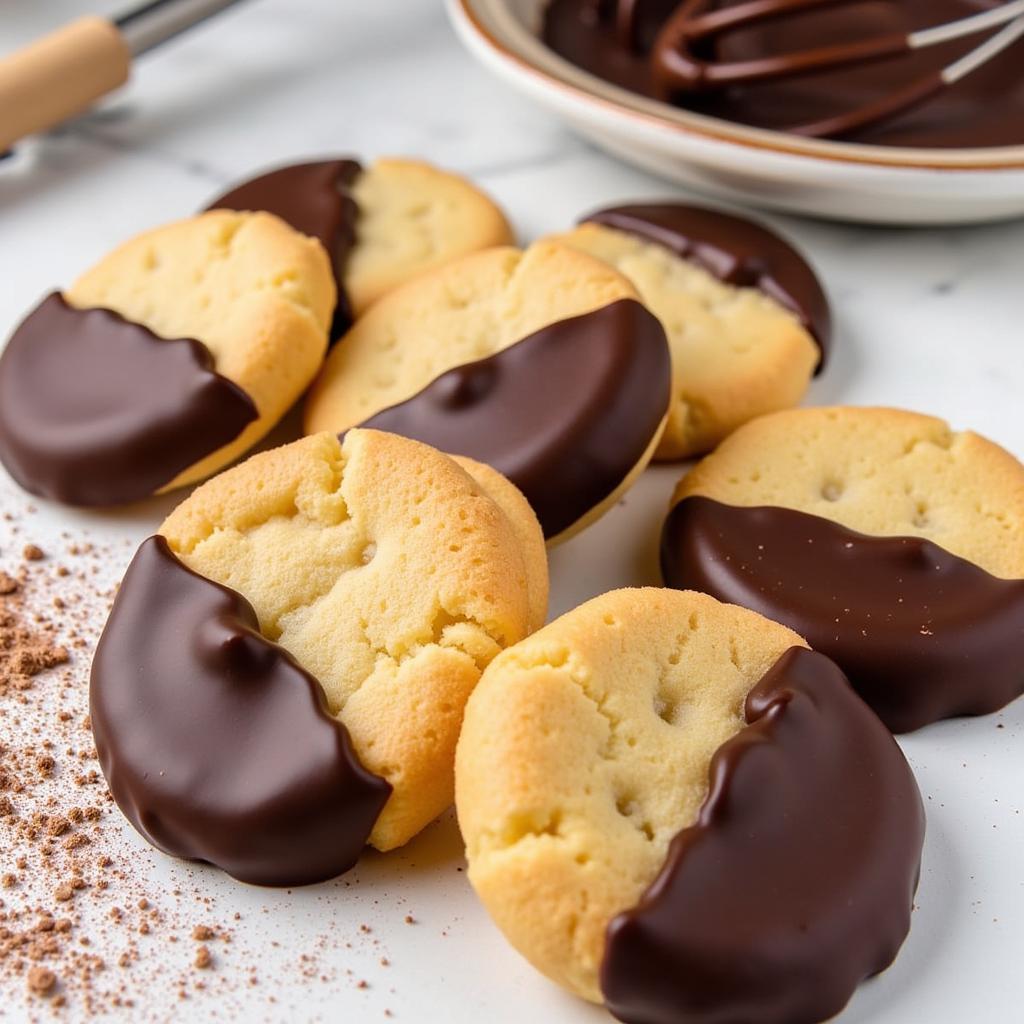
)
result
[(313, 198), (736, 251), (98, 410), (921, 633), (984, 109), (565, 413), (798, 879), (217, 746)]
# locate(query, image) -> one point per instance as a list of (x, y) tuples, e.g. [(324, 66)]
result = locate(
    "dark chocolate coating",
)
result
[(98, 410), (921, 634), (736, 251), (985, 108), (797, 881), (216, 744), (313, 198), (565, 414)]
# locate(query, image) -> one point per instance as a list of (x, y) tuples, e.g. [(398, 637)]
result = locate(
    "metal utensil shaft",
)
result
[(146, 27)]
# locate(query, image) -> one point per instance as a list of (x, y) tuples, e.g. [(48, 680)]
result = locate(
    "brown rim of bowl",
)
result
[(996, 158)]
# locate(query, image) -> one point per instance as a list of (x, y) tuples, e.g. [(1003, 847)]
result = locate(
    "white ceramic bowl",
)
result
[(844, 181)]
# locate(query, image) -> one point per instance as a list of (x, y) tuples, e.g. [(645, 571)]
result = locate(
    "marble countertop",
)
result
[(928, 319)]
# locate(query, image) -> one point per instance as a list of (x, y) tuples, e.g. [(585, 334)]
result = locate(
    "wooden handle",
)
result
[(59, 76)]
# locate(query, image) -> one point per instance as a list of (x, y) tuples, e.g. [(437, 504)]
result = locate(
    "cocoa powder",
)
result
[(26, 647), (81, 926), (54, 808)]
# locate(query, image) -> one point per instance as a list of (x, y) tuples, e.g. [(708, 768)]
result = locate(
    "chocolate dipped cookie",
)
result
[(895, 545), (541, 363), (381, 225), (284, 671), (164, 362), (673, 807), (747, 320)]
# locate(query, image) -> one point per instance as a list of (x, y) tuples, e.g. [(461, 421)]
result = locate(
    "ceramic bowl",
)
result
[(837, 180)]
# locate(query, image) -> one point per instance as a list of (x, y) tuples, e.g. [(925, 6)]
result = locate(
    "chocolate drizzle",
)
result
[(798, 879), (217, 746), (736, 251), (921, 633), (984, 109), (313, 198), (98, 410), (565, 414)]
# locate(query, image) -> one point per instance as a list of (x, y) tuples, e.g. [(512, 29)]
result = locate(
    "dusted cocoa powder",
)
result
[(61, 842), (83, 930), (27, 645)]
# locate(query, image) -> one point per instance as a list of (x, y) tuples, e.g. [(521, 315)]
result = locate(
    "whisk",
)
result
[(61, 74), (681, 60)]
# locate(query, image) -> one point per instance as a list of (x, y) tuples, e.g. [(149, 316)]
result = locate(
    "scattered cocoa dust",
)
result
[(27, 647), (58, 841), (80, 934)]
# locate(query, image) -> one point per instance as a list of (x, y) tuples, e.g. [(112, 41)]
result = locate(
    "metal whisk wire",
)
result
[(678, 66)]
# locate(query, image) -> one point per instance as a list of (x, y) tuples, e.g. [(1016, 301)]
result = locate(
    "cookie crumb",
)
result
[(204, 958), (201, 933), (33, 553)]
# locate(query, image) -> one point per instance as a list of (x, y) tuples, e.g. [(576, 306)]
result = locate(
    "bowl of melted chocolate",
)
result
[(886, 111)]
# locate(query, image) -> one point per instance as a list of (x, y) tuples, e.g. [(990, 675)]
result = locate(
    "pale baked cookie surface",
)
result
[(585, 750), (885, 472), (389, 574), (381, 225), (257, 294), (656, 786), (414, 217), (890, 541), (737, 353), (517, 509), (516, 358)]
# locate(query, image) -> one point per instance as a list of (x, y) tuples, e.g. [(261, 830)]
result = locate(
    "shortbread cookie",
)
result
[(527, 529), (746, 317), (166, 361), (893, 544), (284, 672), (381, 225), (671, 805), (540, 363)]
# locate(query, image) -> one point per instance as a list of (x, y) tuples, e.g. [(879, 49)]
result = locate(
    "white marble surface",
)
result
[(932, 320)]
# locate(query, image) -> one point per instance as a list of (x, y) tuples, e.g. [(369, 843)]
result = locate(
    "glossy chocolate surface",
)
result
[(216, 745), (565, 414), (921, 634), (797, 880), (98, 410), (313, 198), (736, 251), (984, 109)]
